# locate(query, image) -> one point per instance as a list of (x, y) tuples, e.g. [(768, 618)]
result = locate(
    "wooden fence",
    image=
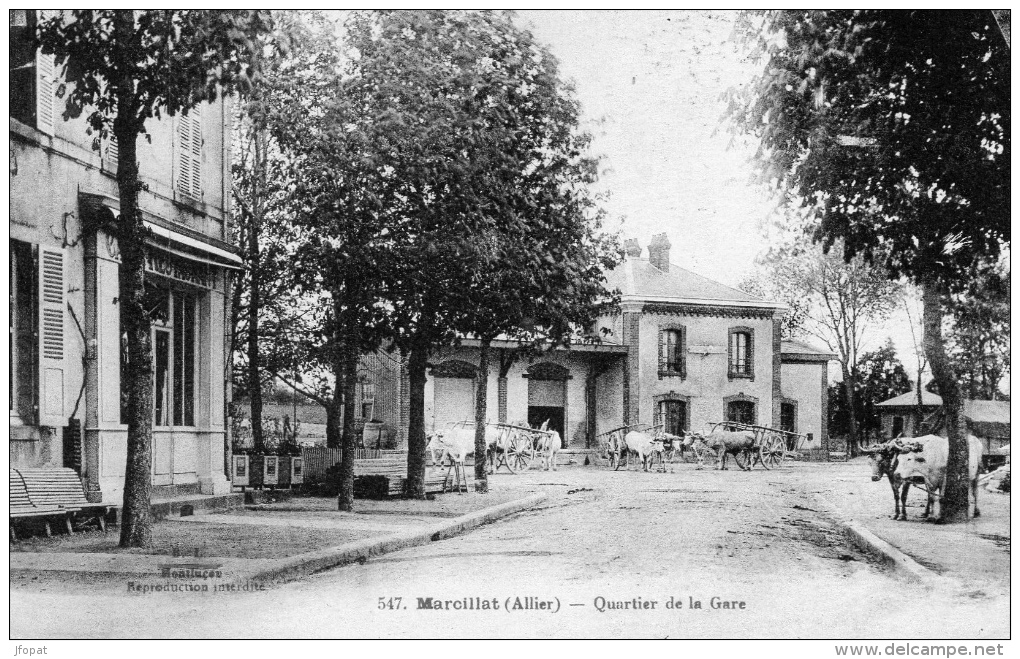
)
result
[(317, 460)]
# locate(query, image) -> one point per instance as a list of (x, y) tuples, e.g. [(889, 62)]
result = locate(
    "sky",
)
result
[(649, 83)]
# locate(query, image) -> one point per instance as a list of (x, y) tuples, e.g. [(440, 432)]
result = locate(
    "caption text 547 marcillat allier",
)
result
[(531, 603)]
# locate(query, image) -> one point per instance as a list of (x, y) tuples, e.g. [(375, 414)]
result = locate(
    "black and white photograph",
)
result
[(467, 324)]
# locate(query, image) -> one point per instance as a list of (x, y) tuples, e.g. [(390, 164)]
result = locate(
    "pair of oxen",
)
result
[(646, 446), (920, 461)]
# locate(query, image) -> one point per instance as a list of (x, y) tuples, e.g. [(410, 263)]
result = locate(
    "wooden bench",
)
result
[(22, 506), (52, 492), (394, 469)]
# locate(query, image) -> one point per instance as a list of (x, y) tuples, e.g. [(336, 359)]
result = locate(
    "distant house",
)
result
[(988, 420), (898, 414)]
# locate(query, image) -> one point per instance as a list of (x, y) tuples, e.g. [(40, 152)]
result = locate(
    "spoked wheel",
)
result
[(504, 459), (772, 452), (745, 459), (517, 457)]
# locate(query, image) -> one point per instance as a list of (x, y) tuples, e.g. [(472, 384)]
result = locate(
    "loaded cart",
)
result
[(771, 445)]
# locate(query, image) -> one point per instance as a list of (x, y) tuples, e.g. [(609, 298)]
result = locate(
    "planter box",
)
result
[(256, 470), (240, 468), (284, 471), (270, 469)]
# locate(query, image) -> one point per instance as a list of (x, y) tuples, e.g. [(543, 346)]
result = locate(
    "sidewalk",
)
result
[(248, 548), (974, 555)]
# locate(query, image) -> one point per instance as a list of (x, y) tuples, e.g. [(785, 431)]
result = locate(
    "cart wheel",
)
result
[(772, 453), (506, 461), (745, 459)]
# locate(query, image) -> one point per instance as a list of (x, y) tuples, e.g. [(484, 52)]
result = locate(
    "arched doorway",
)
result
[(454, 393), (547, 396)]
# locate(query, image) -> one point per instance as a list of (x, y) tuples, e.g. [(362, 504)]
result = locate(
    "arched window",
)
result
[(741, 408), (672, 412)]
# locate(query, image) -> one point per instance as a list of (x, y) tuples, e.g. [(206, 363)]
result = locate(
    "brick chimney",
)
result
[(658, 252), (632, 248)]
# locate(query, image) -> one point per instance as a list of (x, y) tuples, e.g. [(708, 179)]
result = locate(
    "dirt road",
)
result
[(604, 557)]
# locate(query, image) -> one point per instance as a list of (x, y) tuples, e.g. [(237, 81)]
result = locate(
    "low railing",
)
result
[(319, 459)]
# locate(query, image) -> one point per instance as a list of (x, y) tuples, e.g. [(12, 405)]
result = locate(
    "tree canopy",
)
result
[(892, 127)]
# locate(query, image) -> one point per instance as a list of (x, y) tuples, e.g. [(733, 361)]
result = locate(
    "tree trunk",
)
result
[(350, 354), (136, 516), (481, 412), (849, 380), (919, 411), (416, 364), (955, 498), (335, 410), (254, 302)]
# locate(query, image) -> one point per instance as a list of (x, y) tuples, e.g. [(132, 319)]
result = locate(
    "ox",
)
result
[(927, 465), (884, 459), (457, 444), (546, 444), (726, 442), (641, 444), (667, 447)]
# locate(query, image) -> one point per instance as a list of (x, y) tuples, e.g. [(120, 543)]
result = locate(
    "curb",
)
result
[(866, 540), (286, 569)]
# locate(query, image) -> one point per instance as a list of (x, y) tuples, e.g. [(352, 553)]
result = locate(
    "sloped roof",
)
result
[(909, 399), (801, 348), (638, 279), (977, 411), (986, 411)]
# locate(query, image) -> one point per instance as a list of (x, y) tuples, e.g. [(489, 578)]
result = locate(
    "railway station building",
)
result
[(683, 351)]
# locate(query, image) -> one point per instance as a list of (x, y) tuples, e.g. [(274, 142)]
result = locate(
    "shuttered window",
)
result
[(51, 337), (32, 74), (110, 153), (189, 154)]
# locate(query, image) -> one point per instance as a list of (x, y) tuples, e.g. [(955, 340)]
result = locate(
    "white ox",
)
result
[(641, 444), (928, 466), (457, 444), (546, 445)]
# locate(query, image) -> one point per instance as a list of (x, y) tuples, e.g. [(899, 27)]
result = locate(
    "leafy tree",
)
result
[(881, 376), (270, 318), (892, 128), (978, 335), (841, 303), (125, 68), (761, 284), (336, 120)]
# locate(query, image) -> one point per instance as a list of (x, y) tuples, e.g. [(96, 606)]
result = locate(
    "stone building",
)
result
[(65, 337), (684, 351)]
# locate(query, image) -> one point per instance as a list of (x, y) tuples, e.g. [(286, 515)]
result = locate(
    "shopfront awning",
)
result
[(163, 238)]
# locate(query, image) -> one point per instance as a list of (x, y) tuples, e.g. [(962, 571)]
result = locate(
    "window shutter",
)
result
[(110, 153), (45, 98), (189, 161), (682, 352), (52, 264), (750, 354), (663, 356)]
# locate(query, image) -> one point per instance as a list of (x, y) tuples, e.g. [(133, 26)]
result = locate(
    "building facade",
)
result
[(65, 339), (683, 352)]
